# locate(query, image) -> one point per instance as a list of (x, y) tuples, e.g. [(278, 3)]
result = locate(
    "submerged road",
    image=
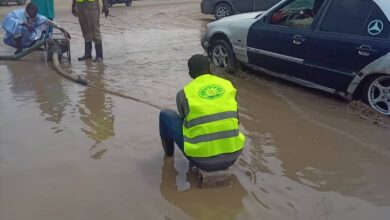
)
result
[(73, 152)]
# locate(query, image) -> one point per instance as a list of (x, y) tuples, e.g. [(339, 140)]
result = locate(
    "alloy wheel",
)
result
[(220, 56), (378, 94), (222, 11)]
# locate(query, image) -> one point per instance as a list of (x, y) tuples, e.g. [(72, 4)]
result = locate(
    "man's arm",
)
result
[(55, 25), (105, 10), (104, 3), (74, 11), (182, 104)]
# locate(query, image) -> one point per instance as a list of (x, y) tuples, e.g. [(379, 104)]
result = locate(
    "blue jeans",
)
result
[(171, 127)]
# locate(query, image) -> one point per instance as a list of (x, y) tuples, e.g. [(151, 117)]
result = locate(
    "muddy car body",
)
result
[(128, 3), (225, 8), (318, 45)]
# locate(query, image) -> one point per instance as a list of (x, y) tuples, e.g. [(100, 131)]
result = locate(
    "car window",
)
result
[(347, 16), (297, 14), (377, 25)]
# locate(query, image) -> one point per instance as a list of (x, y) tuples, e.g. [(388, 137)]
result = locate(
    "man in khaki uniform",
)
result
[(88, 12)]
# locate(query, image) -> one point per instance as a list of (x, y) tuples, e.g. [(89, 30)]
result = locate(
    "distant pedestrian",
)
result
[(88, 12)]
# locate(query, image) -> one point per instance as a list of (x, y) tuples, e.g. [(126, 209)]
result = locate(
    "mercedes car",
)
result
[(338, 46)]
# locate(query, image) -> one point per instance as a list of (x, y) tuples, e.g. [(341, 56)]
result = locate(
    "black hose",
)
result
[(55, 50), (84, 82), (20, 55)]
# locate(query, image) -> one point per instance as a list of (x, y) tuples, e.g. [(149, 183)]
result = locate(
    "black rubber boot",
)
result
[(169, 147), (99, 53), (88, 51), (18, 44)]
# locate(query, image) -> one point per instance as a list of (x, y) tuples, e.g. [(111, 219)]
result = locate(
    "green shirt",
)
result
[(45, 7)]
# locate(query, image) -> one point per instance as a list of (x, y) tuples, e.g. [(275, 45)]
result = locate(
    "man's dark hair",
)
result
[(198, 65), (32, 10)]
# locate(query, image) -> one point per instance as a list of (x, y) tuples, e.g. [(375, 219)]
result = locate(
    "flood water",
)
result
[(73, 152)]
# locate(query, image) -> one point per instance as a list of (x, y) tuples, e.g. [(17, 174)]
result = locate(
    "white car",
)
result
[(338, 46)]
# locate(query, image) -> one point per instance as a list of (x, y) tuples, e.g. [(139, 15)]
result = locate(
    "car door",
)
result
[(261, 5), (352, 34), (279, 41), (244, 5)]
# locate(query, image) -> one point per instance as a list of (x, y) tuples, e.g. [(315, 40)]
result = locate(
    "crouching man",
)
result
[(23, 27), (207, 129)]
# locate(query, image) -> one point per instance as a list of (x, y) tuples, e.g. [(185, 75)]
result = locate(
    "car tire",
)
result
[(109, 5), (222, 56), (376, 93), (222, 10), (129, 3), (21, 2)]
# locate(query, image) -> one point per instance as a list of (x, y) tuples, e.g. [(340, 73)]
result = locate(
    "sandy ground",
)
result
[(71, 152)]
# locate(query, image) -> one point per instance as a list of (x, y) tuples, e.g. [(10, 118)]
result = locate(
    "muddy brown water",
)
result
[(72, 152)]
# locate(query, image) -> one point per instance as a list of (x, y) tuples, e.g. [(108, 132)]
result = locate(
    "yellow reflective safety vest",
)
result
[(211, 126)]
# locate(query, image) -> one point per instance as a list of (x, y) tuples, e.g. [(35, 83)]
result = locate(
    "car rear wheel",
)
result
[(128, 3), (21, 2), (222, 10), (377, 94), (223, 56)]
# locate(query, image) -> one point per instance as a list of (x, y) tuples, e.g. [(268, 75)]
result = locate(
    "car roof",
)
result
[(385, 7)]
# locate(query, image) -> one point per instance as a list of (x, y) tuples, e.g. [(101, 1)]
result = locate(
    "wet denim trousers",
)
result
[(171, 128)]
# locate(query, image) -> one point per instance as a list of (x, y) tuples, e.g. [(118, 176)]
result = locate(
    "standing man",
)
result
[(45, 8), (88, 12), (207, 129)]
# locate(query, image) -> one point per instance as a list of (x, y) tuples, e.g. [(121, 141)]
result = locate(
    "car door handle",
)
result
[(365, 50), (298, 39)]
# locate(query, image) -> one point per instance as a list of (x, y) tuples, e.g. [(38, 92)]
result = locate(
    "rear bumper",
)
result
[(207, 7)]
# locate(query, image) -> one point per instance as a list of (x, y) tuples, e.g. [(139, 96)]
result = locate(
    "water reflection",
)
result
[(33, 81), (211, 203), (289, 180), (96, 110)]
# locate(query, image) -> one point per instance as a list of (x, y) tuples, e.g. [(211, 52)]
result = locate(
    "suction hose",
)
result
[(56, 51), (22, 54)]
